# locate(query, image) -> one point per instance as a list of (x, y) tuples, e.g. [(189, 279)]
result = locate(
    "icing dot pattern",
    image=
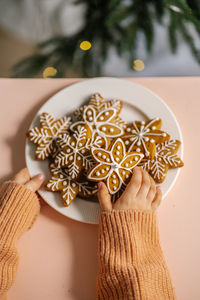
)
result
[(141, 136), (117, 167)]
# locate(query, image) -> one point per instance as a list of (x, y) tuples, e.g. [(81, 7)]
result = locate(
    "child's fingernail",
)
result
[(40, 176), (100, 185)]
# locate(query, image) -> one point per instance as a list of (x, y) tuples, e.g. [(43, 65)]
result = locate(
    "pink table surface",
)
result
[(58, 256)]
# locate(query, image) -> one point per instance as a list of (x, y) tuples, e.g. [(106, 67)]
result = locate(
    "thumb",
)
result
[(104, 197)]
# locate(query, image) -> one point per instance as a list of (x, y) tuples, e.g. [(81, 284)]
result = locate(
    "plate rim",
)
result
[(126, 81)]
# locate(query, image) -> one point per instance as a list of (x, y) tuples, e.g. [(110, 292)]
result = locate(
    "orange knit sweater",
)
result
[(131, 262)]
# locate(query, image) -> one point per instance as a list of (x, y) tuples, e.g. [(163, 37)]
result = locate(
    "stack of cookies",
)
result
[(99, 146)]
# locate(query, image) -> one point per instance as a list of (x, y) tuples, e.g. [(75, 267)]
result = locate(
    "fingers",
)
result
[(22, 176), (146, 184), (35, 183), (152, 190), (104, 197), (135, 182), (157, 199)]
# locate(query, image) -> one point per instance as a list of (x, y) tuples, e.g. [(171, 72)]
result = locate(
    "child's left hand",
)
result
[(33, 184)]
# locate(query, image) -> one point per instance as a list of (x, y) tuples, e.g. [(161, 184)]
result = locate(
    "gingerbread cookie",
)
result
[(69, 189), (165, 158), (74, 154), (87, 188), (99, 103), (62, 182), (114, 165), (101, 124), (141, 136), (45, 136)]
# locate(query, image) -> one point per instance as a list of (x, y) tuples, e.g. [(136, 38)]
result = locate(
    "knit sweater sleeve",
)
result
[(19, 208), (131, 262)]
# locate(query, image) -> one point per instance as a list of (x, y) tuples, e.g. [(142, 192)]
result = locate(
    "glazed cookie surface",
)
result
[(113, 166), (141, 136), (165, 158), (46, 136)]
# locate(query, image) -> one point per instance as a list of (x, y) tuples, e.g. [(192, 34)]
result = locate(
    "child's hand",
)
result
[(140, 194), (33, 184)]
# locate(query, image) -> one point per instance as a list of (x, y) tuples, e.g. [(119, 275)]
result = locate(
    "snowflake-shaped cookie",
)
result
[(114, 165), (74, 154), (165, 158), (141, 136), (61, 181), (101, 124), (99, 103), (45, 136)]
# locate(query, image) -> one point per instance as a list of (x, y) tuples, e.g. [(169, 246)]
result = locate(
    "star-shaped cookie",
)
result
[(101, 124), (114, 165), (141, 136)]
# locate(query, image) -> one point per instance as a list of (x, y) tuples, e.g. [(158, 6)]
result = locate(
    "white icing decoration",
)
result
[(68, 150), (127, 176), (80, 144), (114, 181), (101, 118), (103, 128), (99, 154), (77, 153), (117, 153), (131, 162), (106, 113), (128, 129), (107, 159), (114, 188), (90, 118), (143, 122), (116, 167), (164, 134), (162, 158), (152, 140), (61, 176), (104, 156), (139, 135), (118, 147), (111, 129), (49, 132), (102, 171), (117, 158), (64, 182), (138, 143), (113, 176), (137, 149), (97, 173), (73, 184), (136, 158), (89, 113)]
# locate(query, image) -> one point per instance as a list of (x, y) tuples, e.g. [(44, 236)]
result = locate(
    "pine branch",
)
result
[(113, 24)]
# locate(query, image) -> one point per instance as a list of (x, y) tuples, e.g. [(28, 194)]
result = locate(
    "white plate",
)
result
[(139, 104)]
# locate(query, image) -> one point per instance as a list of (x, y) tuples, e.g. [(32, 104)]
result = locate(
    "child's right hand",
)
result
[(140, 194)]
